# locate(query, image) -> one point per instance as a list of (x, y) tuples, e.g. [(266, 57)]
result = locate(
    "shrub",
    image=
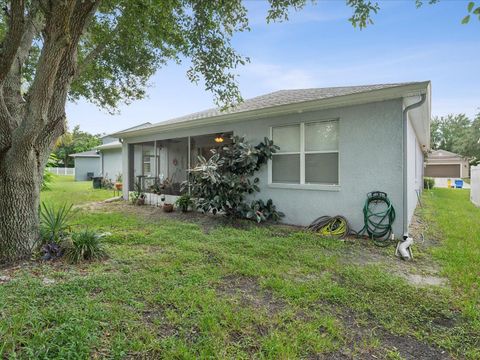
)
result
[(261, 211), (184, 202), (222, 183), (428, 183), (84, 245), (54, 223)]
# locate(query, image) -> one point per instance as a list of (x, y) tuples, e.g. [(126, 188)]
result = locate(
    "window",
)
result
[(308, 154)]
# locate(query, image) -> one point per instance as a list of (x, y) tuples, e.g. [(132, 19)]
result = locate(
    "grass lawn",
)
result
[(176, 289)]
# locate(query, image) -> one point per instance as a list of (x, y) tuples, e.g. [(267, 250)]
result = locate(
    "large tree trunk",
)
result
[(20, 181)]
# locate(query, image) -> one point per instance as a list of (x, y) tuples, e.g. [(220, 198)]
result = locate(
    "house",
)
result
[(336, 145), (87, 165), (110, 158), (111, 154), (446, 164)]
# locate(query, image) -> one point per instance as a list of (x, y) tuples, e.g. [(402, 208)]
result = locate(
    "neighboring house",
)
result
[(336, 145), (445, 164), (110, 158), (87, 165)]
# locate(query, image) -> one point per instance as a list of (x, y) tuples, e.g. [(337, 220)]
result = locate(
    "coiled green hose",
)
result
[(378, 222)]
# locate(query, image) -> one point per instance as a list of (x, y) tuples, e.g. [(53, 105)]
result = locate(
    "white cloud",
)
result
[(271, 77)]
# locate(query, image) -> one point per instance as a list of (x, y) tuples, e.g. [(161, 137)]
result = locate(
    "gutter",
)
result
[(405, 175)]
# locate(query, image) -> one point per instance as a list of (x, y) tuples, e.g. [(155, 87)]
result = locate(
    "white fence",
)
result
[(61, 170), (475, 183)]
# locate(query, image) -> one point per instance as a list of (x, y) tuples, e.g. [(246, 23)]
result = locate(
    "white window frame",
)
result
[(302, 184)]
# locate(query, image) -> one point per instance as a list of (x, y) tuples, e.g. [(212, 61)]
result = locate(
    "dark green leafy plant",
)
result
[(428, 183), (84, 245), (223, 182), (184, 202), (54, 223), (261, 211)]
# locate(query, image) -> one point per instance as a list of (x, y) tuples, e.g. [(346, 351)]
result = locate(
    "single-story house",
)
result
[(336, 145), (110, 158), (87, 165), (111, 155), (446, 164)]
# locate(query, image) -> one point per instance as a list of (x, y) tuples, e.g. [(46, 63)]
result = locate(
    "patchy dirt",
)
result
[(208, 222), (366, 340), (249, 293)]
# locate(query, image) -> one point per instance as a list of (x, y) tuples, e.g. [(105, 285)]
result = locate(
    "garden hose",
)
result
[(332, 226), (378, 217)]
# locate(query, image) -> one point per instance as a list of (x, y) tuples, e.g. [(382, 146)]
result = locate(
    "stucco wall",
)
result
[(84, 165), (112, 163), (415, 170), (370, 158)]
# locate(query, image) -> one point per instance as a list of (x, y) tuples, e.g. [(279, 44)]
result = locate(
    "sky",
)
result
[(318, 47)]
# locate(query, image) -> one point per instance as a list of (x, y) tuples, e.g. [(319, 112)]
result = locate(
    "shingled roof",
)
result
[(279, 98)]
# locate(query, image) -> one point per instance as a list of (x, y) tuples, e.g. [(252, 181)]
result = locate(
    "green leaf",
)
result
[(477, 11), (471, 4), (466, 19)]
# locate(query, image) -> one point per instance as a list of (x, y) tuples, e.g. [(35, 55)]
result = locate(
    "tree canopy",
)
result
[(74, 142), (458, 134)]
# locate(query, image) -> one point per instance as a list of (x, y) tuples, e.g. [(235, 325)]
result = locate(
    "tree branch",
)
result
[(13, 38)]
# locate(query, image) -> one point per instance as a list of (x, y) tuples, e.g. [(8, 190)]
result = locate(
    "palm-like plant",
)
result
[(54, 223)]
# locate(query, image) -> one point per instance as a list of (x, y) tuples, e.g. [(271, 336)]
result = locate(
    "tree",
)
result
[(104, 51), (458, 134), (74, 142), (448, 132)]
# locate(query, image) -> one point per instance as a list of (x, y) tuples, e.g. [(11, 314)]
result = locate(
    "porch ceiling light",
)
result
[(219, 139)]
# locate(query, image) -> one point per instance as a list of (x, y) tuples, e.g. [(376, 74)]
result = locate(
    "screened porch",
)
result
[(161, 166)]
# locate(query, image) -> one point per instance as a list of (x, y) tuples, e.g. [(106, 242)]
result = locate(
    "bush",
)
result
[(223, 182), (84, 245), (428, 183), (184, 202), (261, 211)]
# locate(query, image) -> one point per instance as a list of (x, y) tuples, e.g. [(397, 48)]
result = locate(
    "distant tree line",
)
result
[(73, 142), (457, 133)]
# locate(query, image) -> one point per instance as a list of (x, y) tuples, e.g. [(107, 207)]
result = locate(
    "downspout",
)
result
[(405, 151)]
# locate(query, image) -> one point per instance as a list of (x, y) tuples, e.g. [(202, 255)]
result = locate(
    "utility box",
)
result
[(97, 182)]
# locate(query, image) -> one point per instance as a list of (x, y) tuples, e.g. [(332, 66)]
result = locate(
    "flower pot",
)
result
[(118, 186), (141, 201), (167, 207)]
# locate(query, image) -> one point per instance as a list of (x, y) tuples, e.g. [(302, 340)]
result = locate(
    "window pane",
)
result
[(286, 169), (321, 168), (321, 136), (287, 137)]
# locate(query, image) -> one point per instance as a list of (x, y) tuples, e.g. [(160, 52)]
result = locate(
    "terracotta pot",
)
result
[(167, 207), (118, 186)]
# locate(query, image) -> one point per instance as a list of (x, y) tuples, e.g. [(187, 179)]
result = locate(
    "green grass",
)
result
[(170, 290), (65, 190), (456, 221)]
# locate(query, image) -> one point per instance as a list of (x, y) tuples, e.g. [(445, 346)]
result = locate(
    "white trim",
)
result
[(324, 187), (302, 153)]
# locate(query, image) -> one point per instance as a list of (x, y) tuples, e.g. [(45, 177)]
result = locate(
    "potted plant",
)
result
[(184, 202), (118, 182), (167, 207)]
